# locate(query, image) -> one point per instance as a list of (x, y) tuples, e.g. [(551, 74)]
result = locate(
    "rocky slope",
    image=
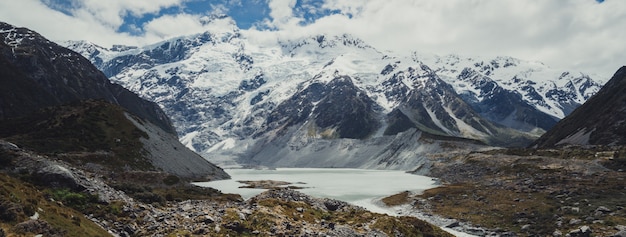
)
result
[(600, 121), (247, 94), (103, 137), (529, 192), (38, 73), (47, 105)]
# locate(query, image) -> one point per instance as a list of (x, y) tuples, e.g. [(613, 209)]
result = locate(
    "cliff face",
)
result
[(599, 121)]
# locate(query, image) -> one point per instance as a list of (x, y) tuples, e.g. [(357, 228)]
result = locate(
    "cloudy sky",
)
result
[(582, 35)]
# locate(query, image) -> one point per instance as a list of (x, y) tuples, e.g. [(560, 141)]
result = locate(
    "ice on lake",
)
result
[(357, 186)]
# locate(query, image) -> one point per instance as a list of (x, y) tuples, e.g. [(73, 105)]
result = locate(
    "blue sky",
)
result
[(587, 35), (246, 13)]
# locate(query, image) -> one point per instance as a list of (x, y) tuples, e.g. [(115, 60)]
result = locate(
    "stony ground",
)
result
[(177, 209), (529, 193)]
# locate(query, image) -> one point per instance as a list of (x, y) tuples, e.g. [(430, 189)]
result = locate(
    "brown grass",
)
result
[(397, 199), (62, 218)]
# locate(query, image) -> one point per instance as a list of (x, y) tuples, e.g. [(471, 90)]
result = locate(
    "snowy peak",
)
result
[(322, 42), (230, 96), (544, 88), (604, 127), (431, 105)]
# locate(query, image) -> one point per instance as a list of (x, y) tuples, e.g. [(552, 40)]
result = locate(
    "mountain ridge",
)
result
[(233, 85), (54, 100), (599, 121), (59, 72)]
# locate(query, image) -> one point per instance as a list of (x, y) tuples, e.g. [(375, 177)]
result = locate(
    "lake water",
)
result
[(357, 186)]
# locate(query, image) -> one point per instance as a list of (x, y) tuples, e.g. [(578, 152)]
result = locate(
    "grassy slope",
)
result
[(84, 127), (25, 199)]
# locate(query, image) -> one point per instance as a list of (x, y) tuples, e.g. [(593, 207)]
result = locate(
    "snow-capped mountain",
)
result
[(484, 83), (327, 96), (606, 125)]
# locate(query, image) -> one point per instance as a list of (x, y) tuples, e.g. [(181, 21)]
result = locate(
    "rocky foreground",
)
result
[(528, 192), (44, 195)]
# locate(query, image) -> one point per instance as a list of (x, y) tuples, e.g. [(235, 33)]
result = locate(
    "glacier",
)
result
[(221, 86)]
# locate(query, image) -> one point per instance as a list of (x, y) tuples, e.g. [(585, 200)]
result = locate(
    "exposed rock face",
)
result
[(600, 121), (58, 174), (338, 109), (433, 106), (37, 73), (502, 106)]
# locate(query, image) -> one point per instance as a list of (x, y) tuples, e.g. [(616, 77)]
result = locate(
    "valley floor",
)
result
[(140, 204), (575, 192)]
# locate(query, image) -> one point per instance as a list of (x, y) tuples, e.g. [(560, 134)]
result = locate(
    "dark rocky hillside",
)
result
[(502, 106), (95, 133), (600, 121), (338, 109), (54, 101), (36, 73)]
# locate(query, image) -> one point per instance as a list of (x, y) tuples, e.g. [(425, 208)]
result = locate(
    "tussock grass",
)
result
[(26, 200), (89, 131), (397, 199)]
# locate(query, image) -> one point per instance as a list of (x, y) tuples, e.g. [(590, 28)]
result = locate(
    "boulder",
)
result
[(557, 233), (57, 176), (621, 233), (583, 231), (603, 209)]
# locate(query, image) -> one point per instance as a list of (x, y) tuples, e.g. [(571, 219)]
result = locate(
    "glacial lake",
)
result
[(357, 186)]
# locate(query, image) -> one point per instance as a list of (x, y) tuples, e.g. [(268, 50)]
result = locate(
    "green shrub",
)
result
[(171, 180), (73, 199)]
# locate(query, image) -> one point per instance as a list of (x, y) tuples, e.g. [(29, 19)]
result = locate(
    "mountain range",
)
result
[(71, 139), (298, 102), (81, 156)]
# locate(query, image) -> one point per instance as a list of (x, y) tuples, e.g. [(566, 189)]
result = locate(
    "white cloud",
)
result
[(170, 26), (112, 12), (575, 34), (92, 20), (281, 12), (56, 25)]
